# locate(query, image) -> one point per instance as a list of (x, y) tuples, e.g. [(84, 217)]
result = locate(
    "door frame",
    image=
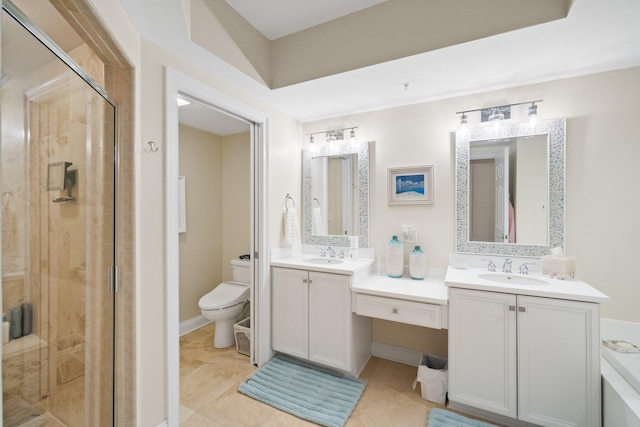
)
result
[(178, 82)]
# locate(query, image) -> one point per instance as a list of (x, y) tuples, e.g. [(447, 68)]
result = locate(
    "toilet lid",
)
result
[(224, 295)]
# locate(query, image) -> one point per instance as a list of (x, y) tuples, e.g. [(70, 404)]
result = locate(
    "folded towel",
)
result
[(291, 227)]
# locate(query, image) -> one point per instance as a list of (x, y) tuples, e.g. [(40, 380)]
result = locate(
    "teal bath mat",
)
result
[(443, 418), (314, 394)]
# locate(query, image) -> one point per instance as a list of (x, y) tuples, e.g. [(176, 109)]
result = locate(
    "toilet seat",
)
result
[(225, 295)]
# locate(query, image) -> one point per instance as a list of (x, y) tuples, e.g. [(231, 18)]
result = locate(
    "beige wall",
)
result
[(218, 203), (236, 199), (602, 202), (201, 245)]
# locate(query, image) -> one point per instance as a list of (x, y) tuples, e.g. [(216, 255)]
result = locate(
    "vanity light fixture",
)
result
[(497, 114), (463, 121), (496, 117), (336, 134), (533, 114)]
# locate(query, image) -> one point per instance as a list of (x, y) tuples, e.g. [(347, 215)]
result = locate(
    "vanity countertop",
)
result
[(346, 266), (430, 289), (569, 289)]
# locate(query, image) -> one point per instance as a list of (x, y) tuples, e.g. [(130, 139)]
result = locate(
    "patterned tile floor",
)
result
[(209, 380)]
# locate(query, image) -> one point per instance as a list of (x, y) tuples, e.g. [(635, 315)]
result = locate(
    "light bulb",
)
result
[(533, 115)]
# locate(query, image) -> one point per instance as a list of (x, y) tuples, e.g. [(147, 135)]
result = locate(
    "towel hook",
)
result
[(153, 147), (286, 201), (316, 202)]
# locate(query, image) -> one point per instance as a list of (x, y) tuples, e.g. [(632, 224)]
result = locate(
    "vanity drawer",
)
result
[(397, 310)]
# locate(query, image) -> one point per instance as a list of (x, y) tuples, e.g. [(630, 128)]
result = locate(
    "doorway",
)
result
[(181, 85), (58, 151)]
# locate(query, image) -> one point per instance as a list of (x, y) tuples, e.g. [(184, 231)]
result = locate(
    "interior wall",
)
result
[(201, 266), (236, 199), (284, 162), (602, 203)]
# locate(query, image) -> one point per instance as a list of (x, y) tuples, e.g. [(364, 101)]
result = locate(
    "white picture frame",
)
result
[(410, 185)]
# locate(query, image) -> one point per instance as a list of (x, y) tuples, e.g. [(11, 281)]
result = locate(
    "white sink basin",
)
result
[(512, 279), (324, 260)]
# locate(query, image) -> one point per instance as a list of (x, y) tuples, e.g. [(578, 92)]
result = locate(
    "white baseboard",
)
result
[(396, 354), (193, 324)]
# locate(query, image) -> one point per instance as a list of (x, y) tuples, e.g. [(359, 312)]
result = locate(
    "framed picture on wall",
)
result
[(410, 185)]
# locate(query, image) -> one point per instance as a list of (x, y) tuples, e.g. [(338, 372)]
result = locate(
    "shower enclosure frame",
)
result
[(112, 274)]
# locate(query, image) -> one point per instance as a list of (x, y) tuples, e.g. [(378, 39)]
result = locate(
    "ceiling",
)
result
[(596, 36), (278, 18)]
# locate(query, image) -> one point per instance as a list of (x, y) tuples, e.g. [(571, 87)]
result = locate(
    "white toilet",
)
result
[(224, 304)]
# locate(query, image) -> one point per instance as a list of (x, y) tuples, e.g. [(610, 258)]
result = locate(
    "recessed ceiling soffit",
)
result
[(385, 32)]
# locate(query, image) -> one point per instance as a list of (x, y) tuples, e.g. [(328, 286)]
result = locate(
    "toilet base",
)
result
[(223, 335)]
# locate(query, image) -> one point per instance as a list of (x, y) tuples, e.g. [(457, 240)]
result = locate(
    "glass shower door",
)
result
[(57, 150)]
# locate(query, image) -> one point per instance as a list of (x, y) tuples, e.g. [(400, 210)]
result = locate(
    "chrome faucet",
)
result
[(506, 267), (332, 253), (323, 252), (341, 255)]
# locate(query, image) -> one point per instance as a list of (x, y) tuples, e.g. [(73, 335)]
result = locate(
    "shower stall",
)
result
[(58, 151)]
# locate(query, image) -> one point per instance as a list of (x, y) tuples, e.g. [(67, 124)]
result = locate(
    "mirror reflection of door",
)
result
[(334, 190), (508, 190), (531, 217)]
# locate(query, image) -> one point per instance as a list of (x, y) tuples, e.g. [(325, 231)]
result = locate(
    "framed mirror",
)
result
[(510, 189), (336, 194)]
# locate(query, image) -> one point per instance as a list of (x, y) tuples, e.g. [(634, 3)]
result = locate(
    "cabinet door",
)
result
[(290, 312), (482, 350), (559, 362), (330, 320)]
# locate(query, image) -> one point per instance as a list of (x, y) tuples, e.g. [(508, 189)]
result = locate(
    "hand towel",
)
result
[(291, 227)]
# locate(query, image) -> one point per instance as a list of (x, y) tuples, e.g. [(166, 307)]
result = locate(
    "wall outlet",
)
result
[(408, 234)]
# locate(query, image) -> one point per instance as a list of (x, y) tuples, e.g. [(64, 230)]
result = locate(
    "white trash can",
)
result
[(433, 378)]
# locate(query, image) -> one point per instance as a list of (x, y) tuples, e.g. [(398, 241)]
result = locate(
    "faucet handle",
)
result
[(323, 252), (524, 269), (491, 266)]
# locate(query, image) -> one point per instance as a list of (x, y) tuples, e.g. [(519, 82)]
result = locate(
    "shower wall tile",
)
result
[(59, 267)]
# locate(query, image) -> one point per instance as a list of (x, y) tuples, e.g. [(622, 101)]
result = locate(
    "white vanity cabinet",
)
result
[(526, 357), (312, 319)]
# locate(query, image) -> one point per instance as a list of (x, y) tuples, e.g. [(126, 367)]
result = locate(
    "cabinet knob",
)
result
[(395, 311)]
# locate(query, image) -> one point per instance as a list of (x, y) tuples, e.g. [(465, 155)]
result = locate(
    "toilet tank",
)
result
[(241, 270)]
